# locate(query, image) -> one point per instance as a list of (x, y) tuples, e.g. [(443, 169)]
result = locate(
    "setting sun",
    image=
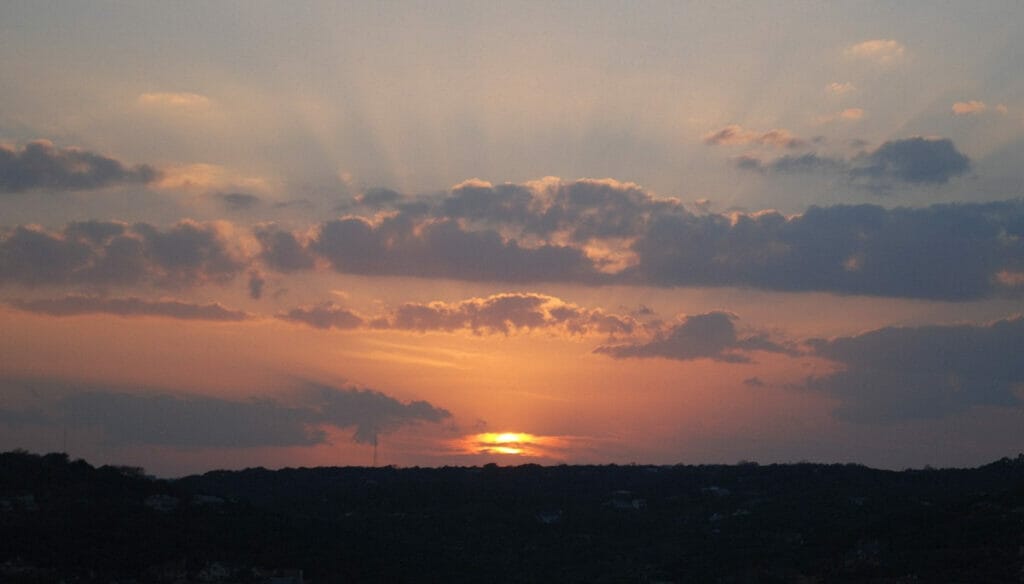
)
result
[(515, 443), (512, 443)]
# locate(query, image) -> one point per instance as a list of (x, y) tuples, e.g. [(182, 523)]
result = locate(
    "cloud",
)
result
[(282, 250), (206, 178), (947, 252), (1010, 278), (76, 305), (838, 88), (914, 160), (504, 314), (964, 108), (809, 163), (942, 252), (514, 232), (583, 209), (378, 198), (734, 135), (238, 201), (105, 253), (42, 166), (370, 412), (256, 284), (917, 160), (190, 252), (324, 316), (851, 113), (496, 314), (179, 100), (129, 416), (442, 248), (702, 336), (883, 51), (903, 373)]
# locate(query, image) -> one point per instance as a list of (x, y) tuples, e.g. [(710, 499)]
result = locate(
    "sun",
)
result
[(518, 444), (511, 443)]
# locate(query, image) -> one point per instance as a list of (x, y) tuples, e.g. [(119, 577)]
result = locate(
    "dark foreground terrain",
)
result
[(63, 520)]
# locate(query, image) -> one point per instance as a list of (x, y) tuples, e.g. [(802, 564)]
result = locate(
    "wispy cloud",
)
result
[(505, 314), (966, 108), (837, 88), (878, 50), (78, 305), (176, 100), (733, 135)]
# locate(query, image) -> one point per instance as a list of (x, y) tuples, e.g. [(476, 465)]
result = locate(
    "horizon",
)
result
[(256, 234), (511, 463)]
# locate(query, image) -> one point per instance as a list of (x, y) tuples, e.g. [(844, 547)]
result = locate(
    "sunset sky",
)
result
[(243, 234)]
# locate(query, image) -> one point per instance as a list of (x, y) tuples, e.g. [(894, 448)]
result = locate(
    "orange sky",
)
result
[(242, 235)]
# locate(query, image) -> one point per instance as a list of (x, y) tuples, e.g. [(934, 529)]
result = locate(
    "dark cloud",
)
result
[(754, 382), (942, 252), (324, 316), (190, 251), (915, 160), (947, 252), (702, 336), (76, 305), (238, 201), (809, 164), (194, 421), (747, 162), (114, 253), (40, 165), (189, 421), (379, 198), (474, 232), (402, 246), (902, 373), (256, 284), (585, 209), (282, 250), (370, 412)]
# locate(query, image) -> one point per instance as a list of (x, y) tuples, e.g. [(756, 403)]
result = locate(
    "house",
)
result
[(624, 500), (285, 577), (161, 503), (550, 517)]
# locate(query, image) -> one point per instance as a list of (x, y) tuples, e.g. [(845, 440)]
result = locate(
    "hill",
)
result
[(66, 520)]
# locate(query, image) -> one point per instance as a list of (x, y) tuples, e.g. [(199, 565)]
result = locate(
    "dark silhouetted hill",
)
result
[(66, 520)]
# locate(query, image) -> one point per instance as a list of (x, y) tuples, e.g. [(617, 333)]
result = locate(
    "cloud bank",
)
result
[(73, 305), (701, 336), (914, 161), (40, 165), (904, 373), (108, 253), (179, 420), (497, 314), (583, 232)]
